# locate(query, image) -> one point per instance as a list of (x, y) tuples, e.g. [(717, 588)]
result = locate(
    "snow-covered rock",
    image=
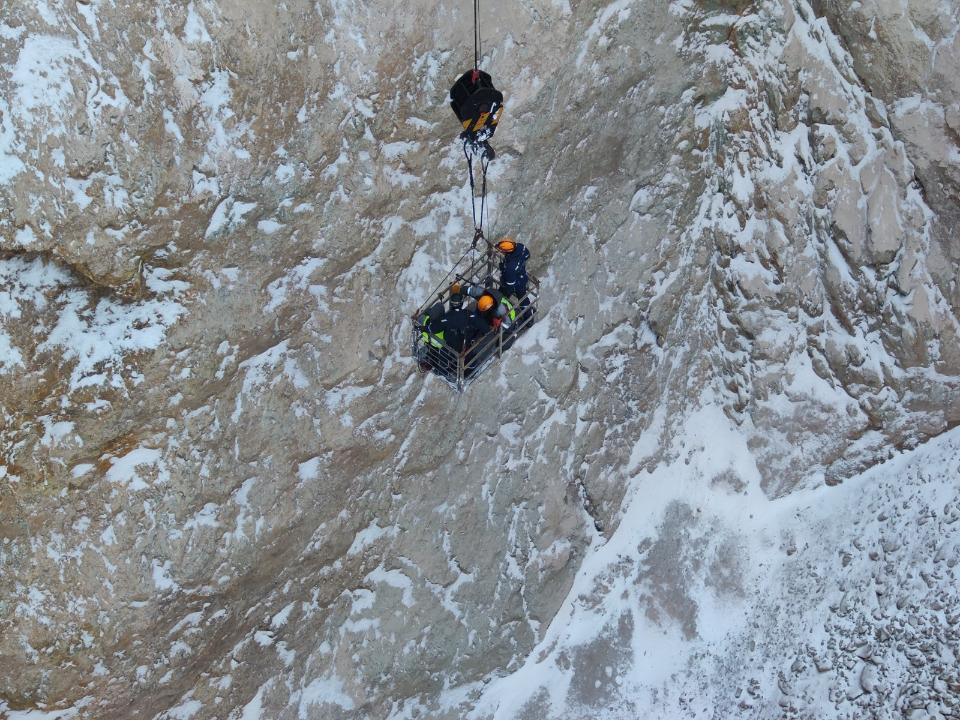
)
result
[(224, 491)]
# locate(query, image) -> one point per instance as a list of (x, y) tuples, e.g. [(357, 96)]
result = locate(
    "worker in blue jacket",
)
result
[(513, 267)]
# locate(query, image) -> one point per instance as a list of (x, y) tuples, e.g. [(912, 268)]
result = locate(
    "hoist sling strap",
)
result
[(478, 226)]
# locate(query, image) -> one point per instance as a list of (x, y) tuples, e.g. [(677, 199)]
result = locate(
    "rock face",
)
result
[(837, 604), (907, 56), (225, 491)]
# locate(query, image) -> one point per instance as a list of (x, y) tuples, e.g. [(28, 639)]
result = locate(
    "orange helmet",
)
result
[(506, 245), (485, 303)]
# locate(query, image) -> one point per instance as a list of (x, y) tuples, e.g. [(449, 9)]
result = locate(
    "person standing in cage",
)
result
[(513, 267), (482, 323), (433, 356), (514, 279), (455, 322)]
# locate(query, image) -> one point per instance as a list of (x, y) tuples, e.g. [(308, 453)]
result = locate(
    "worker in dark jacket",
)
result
[(452, 326), (456, 327), (478, 334), (513, 267), (434, 355), (494, 307), (429, 324)]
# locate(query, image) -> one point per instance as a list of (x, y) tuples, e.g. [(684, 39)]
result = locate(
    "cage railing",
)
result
[(459, 368)]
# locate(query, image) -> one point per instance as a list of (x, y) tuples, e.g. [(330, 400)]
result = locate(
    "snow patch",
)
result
[(324, 691), (126, 471)]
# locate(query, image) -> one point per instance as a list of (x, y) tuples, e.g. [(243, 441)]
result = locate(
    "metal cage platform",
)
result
[(459, 369)]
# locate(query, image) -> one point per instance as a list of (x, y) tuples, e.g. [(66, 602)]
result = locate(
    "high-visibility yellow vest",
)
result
[(510, 311), (432, 339)]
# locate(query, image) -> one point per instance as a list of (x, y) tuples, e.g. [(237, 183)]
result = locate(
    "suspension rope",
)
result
[(470, 148), (476, 35)]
